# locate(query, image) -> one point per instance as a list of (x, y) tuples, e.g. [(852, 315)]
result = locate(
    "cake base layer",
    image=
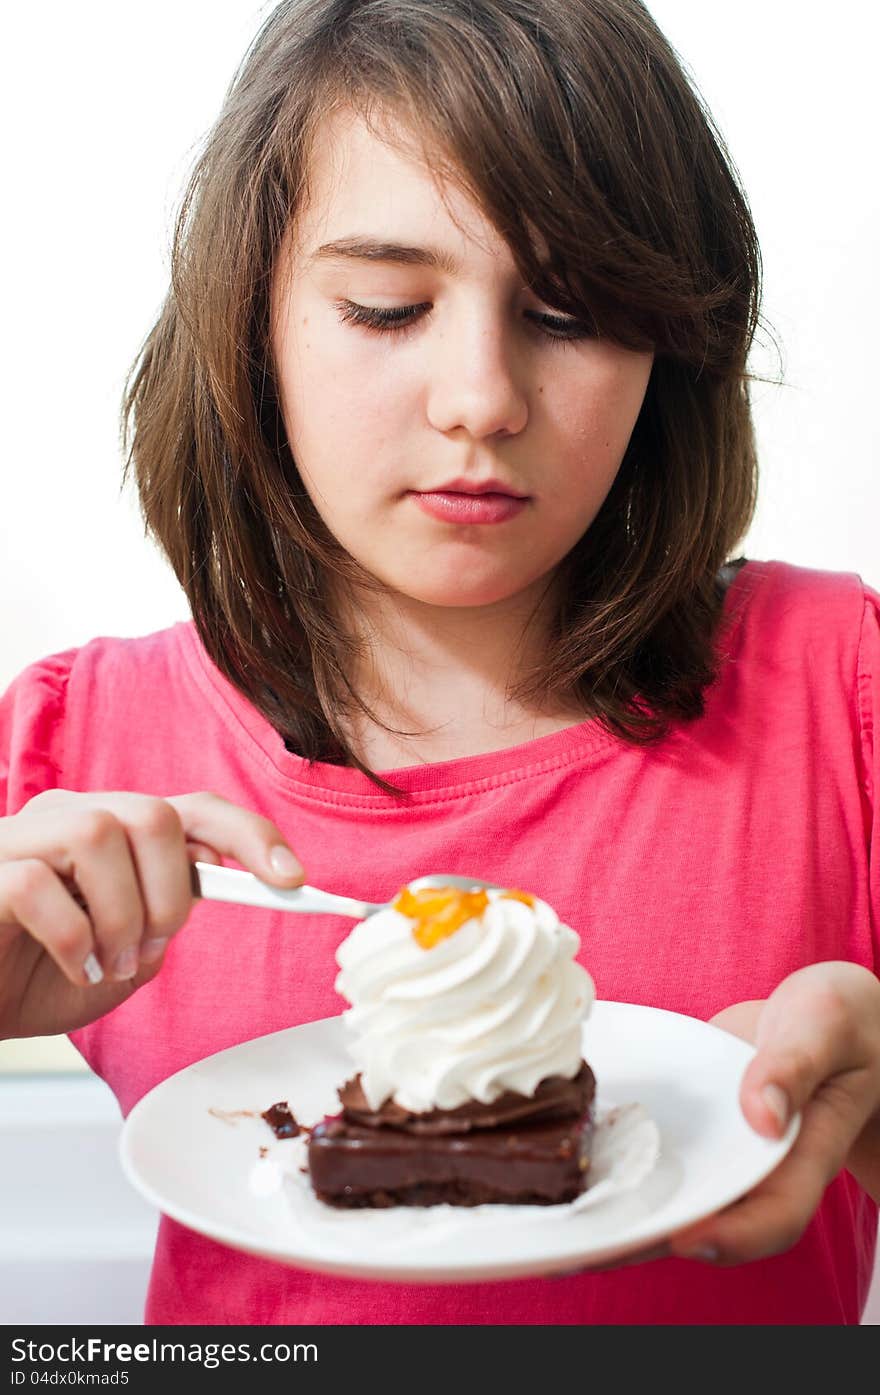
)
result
[(537, 1164)]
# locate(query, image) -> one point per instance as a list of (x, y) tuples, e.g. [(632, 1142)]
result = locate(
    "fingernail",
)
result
[(151, 950), (92, 969), (707, 1253), (284, 863), (777, 1102), (126, 964)]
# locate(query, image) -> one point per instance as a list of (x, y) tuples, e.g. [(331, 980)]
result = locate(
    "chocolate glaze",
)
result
[(554, 1098), (281, 1121)]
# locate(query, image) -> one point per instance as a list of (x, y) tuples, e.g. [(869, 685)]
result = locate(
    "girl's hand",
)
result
[(128, 856), (818, 1040)]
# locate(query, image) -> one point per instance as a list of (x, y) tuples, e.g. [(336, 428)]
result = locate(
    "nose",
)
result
[(475, 381)]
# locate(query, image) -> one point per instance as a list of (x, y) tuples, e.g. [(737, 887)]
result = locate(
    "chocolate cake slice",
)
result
[(520, 1149)]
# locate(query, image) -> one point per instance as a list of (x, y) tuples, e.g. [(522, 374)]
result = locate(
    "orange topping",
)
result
[(439, 911), (525, 896)]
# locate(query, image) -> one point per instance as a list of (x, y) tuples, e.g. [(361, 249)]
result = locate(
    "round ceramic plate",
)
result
[(197, 1149)]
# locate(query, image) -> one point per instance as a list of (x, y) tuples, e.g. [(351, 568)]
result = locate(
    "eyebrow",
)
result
[(371, 249)]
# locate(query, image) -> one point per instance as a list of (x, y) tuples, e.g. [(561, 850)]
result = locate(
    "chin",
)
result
[(457, 593)]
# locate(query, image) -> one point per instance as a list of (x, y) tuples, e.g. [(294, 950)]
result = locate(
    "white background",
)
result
[(105, 104)]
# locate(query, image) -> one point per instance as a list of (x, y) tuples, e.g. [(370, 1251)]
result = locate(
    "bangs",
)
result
[(581, 144)]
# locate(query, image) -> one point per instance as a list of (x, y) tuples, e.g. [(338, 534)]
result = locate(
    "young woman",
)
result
[(445, 429)]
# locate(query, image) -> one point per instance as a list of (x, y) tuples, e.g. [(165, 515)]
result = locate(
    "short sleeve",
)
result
[(32, 731), (868, 699)]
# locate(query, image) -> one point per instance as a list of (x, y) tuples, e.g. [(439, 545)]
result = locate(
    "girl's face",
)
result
[(455, 434)]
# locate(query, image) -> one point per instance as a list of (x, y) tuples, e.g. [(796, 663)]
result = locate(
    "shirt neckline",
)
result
[(438, 781)]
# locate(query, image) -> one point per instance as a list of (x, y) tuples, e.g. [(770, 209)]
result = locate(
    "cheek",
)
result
[(596, 412), (344, 411)]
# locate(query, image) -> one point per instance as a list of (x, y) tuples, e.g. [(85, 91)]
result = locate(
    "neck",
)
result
[(441, 678)]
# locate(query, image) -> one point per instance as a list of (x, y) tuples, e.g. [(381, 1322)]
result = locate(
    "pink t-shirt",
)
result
[(698, 873)]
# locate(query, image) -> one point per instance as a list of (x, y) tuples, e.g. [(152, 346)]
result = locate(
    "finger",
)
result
[(779, 1082), (34, 897), (773, 1217), (87, 847), (741, 1020), (50, 799), (253, 841), (765, 1223), (645, 1256), (96, 849), (820, 1023), (162, 866), (200, 852), (208, 820), (797, 1057)]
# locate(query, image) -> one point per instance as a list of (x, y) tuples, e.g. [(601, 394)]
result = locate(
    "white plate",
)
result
[(192, 1147)]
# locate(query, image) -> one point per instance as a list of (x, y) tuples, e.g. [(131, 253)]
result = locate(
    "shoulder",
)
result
[(92, 687), (792, 611), (802, 645), (140, 658), (88, 668), (800, 589)]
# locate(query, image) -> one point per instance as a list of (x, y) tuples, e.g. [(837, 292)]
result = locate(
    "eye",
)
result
[(564, 328), (399, 318), (395, 319)]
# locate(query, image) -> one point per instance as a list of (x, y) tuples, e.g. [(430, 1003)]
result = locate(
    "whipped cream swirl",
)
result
[(496, 1006)]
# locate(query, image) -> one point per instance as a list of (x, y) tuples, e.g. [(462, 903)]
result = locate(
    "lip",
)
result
[(488, 486), (466, 506)]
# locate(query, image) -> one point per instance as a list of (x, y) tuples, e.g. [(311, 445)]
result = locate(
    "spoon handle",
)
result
[(228, 884)]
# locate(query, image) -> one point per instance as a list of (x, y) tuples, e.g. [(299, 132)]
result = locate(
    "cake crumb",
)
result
[(281, 1121), (229, 1116)]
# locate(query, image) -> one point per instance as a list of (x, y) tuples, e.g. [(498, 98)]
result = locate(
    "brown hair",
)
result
[(569, 121)]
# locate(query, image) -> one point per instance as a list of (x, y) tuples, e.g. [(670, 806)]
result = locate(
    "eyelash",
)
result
[(401, 318)]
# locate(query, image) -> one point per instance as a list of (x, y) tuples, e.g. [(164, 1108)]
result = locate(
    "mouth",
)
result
[(483, 505), (476, 488)]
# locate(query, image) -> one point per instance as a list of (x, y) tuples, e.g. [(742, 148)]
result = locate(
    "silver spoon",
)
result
[(228, 884)]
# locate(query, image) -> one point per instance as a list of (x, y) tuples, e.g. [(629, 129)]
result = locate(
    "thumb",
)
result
[(804, 1042), (809, 1042), (795, 1055), (776, 1085), (764, 1093)]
